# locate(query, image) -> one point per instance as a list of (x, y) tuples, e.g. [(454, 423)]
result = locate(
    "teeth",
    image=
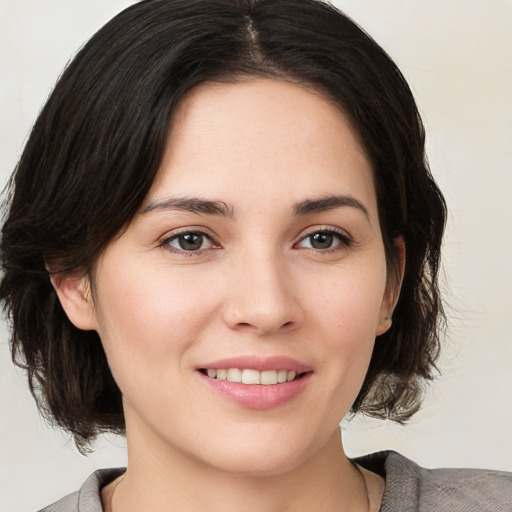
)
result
[(249, 376), (234, 375), (282, 376), (269, 377)]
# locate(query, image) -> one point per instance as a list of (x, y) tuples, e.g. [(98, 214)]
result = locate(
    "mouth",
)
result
[(251, 376), (255, 382)]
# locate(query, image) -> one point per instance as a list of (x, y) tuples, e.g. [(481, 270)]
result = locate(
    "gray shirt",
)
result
[(409, 488)]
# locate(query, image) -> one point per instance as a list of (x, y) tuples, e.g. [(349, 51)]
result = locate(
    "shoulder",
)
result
[(410, 487), (88, 498)]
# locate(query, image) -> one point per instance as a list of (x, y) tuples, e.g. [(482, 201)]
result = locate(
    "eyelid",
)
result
[(345, 238), (324, 228), (165, 240)]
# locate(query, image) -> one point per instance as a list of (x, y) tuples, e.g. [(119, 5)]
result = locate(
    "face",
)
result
[(257, 255)]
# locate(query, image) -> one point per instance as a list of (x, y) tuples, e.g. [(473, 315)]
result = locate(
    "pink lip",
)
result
[(258, 363), (258, 396)]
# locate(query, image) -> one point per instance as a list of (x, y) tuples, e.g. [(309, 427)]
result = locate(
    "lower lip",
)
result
[(255, 396)]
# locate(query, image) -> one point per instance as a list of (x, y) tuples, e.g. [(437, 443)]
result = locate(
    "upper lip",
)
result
[(258, 363)]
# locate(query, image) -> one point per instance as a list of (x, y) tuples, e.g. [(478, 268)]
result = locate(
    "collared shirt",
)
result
[(409, 488)]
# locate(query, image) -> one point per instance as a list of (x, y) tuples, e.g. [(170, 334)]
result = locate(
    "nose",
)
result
[(262, 297)]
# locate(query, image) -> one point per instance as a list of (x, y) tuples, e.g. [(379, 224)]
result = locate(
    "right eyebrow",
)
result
[(191, 204)]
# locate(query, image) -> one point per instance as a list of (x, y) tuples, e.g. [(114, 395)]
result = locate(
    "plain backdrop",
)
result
[(456, 55)]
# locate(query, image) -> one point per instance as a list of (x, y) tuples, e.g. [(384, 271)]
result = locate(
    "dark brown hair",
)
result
[(97, 144)]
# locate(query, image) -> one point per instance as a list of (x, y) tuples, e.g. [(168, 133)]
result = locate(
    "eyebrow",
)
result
[(191, 204), (329, 203), (209, 207)]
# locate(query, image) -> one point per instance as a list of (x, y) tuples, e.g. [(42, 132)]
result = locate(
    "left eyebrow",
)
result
[(191, 204), (329, 203)]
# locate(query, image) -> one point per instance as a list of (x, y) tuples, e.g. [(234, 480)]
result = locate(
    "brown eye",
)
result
[(189, 242), (324, 240), (321, 240)]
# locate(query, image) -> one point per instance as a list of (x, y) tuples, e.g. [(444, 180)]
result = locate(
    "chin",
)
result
[(259, 459), (260, 465)]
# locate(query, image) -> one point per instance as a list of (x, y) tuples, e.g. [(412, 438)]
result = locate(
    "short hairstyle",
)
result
[(96, 147)]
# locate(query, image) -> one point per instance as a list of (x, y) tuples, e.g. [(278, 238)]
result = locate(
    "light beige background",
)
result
[(457, 56)]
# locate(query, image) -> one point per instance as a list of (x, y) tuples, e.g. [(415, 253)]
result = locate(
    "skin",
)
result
[(257, 286)]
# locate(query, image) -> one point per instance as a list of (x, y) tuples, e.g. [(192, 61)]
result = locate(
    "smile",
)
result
[(252, 377), (256, 383)]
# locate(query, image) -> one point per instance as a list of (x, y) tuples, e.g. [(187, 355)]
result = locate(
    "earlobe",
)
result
[(74, 294), (384, 325), (393, 287)]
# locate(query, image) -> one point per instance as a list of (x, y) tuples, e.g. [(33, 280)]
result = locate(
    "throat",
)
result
[(165, 478)]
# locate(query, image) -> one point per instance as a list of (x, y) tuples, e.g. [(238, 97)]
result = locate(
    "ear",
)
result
[(393, 286), (74, 292)]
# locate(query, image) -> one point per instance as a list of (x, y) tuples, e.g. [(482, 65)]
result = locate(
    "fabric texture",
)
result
[(409, 488)]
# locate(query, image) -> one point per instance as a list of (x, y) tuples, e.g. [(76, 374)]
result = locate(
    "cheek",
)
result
[(146, 318), (349, 300), (347, 312), (343, 310)]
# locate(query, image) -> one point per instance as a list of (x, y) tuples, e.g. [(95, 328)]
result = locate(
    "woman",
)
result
[(222, 238)]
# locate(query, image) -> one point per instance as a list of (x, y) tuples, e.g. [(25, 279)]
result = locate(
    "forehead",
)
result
[(262, 139)]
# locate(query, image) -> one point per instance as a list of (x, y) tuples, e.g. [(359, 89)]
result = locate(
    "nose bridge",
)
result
[(262, 295)]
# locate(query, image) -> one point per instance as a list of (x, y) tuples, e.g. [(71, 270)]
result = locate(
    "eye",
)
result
[(188, 241), (324, 240)]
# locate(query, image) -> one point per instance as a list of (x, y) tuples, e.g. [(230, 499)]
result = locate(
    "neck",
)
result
[(160, 478)]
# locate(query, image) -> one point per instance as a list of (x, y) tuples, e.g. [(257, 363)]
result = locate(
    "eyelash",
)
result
[(345, 241), (165, 243)]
